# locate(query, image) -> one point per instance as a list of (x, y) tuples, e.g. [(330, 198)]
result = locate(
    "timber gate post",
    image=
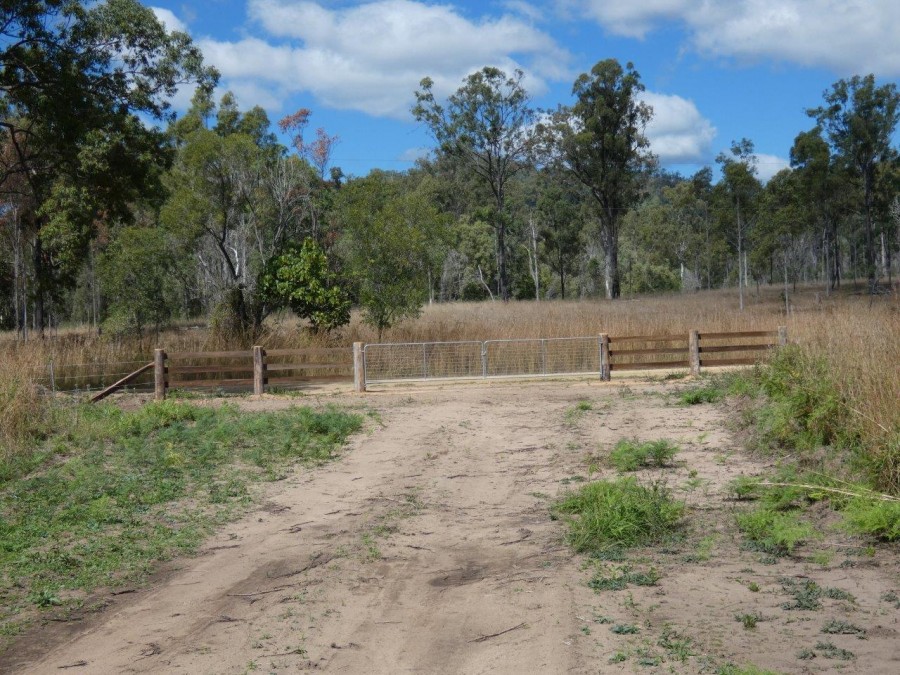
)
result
[(605, 368), (359, 368), (694, 352), (782, 336), (259, 370), (159, 374)]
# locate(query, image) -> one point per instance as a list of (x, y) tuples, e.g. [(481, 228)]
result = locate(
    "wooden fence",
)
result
[(260, 368)]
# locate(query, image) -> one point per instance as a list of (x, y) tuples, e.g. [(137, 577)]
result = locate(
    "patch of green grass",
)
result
[(630, 455), (806, 594), (707, 393), (876, 517), (616, 514), (120, 490), (839, 627), (892, 598), (624, 629), (731, 669), (744, 487), (773, 532)]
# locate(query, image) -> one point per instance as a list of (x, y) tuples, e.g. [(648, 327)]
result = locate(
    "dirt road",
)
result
[(429, 548)]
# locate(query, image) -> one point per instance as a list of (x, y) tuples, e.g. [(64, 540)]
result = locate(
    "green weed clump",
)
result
[(119, 490), (629, 455), (619, 514), (877, 517), (708, 393), (773, 532)]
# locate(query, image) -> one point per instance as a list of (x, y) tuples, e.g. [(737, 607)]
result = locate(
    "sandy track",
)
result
[(428, 548)]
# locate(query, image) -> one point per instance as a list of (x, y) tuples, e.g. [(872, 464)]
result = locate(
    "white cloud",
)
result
[(168, 19), (678, 133), (846, 36), (371, 57), (768, 165), (637, 17)]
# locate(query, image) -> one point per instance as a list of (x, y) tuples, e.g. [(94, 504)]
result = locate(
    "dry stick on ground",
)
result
[(484, 638), (848, 493)]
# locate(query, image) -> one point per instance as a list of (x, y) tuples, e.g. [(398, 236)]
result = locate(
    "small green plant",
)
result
[(753, 587), (749, 620), (584, 406), (892, 598), (618, 657), (806, 594), (831, 651), (744, 488), (677, 646), (876, 517), (619, 514), (702, 394), (773, 532), (624, 629), (630, 455), (839, 627)]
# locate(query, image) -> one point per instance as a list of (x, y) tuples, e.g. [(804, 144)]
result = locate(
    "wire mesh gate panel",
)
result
[(475, 359)]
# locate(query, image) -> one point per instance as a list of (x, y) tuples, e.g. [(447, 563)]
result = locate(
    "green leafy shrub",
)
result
[(629, 455), (619, 514), (702, 394), (877, 517), (772, 531)]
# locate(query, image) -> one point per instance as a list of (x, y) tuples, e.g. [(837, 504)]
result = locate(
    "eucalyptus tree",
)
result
[(600, 141), (388, 239), (77, 81), (860, 119), (487, 123), (740, 189)]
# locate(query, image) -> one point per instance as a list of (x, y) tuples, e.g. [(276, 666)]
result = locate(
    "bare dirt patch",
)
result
[(429, 547)]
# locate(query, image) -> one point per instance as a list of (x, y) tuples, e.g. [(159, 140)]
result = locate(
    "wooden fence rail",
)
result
[(184, 370), (255, 367)]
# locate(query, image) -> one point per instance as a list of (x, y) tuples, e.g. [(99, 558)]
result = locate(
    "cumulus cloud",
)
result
[(168, 19), (371, 57), (678, 133), (846, 36)]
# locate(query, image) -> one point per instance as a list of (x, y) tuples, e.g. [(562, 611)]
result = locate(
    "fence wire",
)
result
[(476, 359)]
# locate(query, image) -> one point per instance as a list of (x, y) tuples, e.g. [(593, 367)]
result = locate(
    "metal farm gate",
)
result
[(481, 360)]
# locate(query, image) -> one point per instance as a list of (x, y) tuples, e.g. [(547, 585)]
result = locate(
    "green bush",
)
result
[(873, 516), (772, 531), (619, 514), (629, 455)]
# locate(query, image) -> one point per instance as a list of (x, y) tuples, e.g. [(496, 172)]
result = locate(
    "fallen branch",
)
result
[(484, 638), (869, 494)]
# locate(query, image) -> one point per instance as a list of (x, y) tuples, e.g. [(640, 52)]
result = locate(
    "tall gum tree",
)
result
[(486, 122), (860, 119), (78, 79), (600, 140)]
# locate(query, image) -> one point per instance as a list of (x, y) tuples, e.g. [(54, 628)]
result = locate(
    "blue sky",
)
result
[(715, 70)]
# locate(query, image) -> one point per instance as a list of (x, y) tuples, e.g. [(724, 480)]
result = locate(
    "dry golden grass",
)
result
[(857, 335)]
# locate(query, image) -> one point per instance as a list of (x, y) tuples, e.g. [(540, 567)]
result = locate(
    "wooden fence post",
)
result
[(159, 374), (259, 370), (359, 368), (694, 352), (605, 369), (782, 336)]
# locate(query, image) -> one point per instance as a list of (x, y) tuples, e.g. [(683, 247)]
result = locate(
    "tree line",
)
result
[(117, 213)]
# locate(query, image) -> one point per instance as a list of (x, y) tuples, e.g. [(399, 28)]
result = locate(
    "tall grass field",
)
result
[(849, 342)]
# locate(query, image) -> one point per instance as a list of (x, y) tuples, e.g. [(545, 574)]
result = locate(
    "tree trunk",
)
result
[(502, 280), (611, 273), (39, 308), (870, 243)]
